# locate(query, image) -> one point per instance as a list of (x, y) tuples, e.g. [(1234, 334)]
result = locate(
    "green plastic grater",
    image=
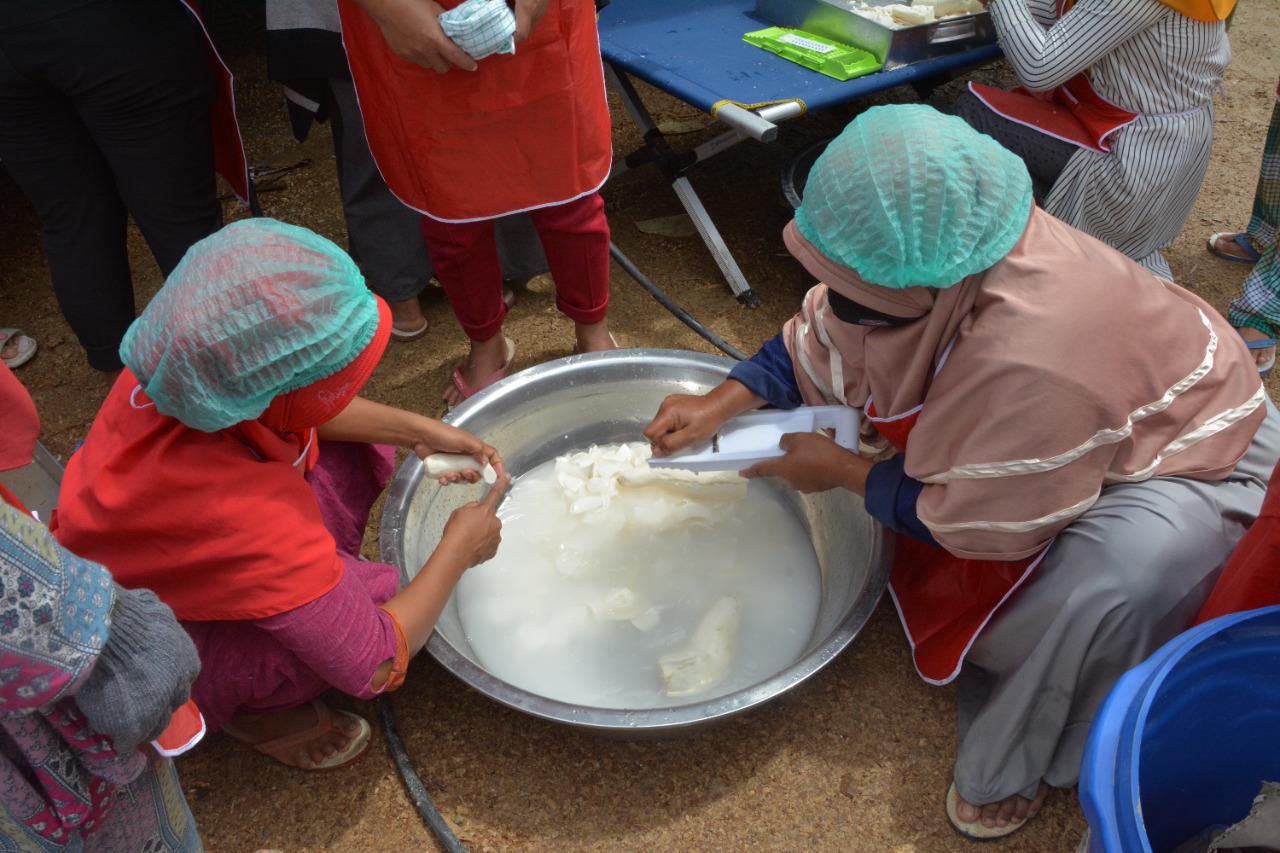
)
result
[(813, 51)]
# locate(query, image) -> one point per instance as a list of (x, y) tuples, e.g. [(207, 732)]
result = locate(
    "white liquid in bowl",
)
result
[(579, 607)]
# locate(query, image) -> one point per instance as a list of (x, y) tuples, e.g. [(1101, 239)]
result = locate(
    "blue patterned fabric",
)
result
[(63, 787)]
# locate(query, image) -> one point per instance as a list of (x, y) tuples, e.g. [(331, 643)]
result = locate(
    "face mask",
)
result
[(857, 314)]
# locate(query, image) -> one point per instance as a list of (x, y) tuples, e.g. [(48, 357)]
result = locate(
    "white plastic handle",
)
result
[(842, 419)]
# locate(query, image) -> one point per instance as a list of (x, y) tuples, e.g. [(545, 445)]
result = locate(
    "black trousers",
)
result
[(1044, 155), (104, 114)]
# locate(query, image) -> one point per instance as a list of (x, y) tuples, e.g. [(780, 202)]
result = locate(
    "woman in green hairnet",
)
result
[(232, 469), (1066, 446)]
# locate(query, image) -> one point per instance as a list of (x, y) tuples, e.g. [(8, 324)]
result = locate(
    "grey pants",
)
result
[(1126, 577), (384, 236)]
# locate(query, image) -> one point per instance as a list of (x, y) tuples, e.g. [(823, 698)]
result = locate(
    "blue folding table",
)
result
[(693, 50)]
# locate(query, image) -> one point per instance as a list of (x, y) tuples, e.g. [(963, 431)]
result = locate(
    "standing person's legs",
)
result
[(575, 237), (54, 161), (519, 249), (466, 260), (1265, 218), (146, 102), (384, 236), (106, 108), (1256, 311)]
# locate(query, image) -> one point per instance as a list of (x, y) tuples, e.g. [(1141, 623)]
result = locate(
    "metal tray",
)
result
[(893, 47)]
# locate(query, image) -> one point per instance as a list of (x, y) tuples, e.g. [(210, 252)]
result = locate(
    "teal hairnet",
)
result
[(254, 310), (909, 196)]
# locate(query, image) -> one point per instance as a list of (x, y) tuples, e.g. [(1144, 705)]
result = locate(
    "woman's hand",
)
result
[(375, 423), (444, 438), (813, 462), (471, 536), (473, 532), (412, 30), (683, 419), (528, 13)]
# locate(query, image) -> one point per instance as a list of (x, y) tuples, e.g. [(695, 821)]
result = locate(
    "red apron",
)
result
[(1073, 112), (942, 600), (1251, 578), (229, 159), (522, 131)]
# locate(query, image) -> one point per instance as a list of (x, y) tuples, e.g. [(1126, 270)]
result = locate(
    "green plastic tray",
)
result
[(813, 51)]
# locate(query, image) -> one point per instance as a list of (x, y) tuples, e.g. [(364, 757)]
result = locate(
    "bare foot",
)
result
[(1260, 356), (255, 731), (594, 337), (1013, 809), (486, 358)]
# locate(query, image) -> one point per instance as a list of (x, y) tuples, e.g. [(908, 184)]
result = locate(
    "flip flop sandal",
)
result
[(1263, 343), (1241, 239), (282, 748), (977, 830), (405, 337), (26, 347), (467, 391)]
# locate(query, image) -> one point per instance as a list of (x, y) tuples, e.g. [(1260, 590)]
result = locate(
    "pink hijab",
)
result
[(1063, 368)]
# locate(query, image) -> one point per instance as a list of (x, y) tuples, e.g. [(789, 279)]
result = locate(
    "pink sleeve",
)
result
[(343, 635)]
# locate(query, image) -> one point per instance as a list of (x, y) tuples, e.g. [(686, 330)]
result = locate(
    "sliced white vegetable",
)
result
[(707, 657), (440, 464), (704, 485), (619, 605)]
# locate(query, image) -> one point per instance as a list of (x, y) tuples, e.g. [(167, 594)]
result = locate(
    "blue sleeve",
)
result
[(770, 374), (891, 499)]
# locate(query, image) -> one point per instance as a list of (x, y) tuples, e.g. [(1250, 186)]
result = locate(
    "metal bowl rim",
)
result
[(621, 720)]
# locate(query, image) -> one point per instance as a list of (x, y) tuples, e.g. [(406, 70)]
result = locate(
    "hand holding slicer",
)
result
[(753, 437)]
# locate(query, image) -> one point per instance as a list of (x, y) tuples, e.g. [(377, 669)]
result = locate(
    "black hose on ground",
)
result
[(672, 306), (413, 783)]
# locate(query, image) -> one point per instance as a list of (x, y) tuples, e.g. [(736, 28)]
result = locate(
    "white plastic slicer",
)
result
[(753, 437)]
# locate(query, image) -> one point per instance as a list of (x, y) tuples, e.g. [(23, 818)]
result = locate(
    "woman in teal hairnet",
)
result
[(1066, 446), (232, 470)]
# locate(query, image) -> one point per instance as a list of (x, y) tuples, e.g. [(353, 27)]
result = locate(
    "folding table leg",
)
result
[(711, 236), (674, 166)]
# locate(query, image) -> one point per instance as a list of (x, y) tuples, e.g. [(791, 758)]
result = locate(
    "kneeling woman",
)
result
[(232, 470), (1068, 446)]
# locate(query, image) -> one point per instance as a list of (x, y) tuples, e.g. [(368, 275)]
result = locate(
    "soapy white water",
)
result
[(594, 582)]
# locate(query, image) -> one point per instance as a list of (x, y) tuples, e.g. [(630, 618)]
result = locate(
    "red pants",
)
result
[(575, 238)]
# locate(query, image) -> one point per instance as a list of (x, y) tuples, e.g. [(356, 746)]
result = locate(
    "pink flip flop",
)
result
[(467, 391)]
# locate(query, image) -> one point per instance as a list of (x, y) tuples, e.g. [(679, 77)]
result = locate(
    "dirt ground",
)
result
[(856, 759)]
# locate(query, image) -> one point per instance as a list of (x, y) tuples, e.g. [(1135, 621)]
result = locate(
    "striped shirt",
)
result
[(1143, 57)]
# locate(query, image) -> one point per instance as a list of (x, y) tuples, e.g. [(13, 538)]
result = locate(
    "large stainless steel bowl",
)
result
[(570, 404)]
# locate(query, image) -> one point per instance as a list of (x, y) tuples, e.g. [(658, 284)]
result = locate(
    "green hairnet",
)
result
[(909, 196), (257, 309)]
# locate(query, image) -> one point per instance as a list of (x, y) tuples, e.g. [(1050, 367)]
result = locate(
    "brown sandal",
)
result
[(279, 748)]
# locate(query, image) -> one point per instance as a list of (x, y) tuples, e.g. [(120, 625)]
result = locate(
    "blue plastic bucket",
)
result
[(1185, 740)]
